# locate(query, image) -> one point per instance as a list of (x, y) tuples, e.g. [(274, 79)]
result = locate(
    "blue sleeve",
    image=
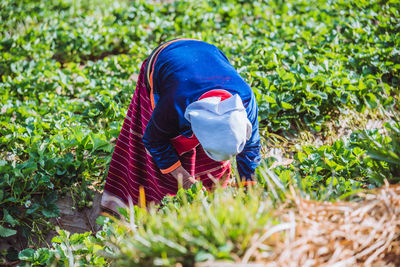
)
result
[(248, 160), (160, 129)]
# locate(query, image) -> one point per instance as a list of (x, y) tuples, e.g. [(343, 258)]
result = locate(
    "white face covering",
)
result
[(221, 127)]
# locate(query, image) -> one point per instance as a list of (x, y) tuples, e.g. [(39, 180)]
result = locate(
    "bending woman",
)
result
[(190, 113)]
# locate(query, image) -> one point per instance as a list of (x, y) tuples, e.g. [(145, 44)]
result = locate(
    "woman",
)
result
[(190, 113)]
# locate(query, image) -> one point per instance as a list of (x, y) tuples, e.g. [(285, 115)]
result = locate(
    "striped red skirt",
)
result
[(133, 175)]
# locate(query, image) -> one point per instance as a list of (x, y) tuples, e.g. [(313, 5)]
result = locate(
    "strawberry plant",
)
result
[(67, 250), (68, 70), (384, 150)]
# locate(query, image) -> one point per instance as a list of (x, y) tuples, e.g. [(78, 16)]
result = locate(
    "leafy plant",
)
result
[(212, 227), (67, 250), (385, 152), (68, 70)]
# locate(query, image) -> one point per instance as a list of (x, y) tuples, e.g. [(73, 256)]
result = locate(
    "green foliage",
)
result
[(183, 197), (327, 172), (55, 130), (67, 250), (214, 226), (68, 70), (195, 226), (6, 232), (384, 150), (304, 59), (364, 160)]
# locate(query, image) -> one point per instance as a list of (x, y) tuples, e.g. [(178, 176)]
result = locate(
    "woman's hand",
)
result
[(183, 177)]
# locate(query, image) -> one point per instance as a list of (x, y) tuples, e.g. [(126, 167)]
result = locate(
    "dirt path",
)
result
[(76, 221)]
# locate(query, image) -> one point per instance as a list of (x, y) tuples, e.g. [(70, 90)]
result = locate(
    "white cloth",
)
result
[(221, 127)]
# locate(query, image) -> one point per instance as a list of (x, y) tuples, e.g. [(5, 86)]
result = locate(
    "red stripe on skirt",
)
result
[(131, 166)]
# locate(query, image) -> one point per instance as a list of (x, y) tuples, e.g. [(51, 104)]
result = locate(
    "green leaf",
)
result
[(6, 232), (26, 254), (102, 220), (56, 239), (371, 100), (41, 256), (301, 157), (100, 144), (270, 99), (33, 209), (51, 211), (8, 218), (286, 105), (203, 256)]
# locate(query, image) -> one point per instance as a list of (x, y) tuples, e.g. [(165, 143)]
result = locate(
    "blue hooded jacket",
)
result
[(183, 71)]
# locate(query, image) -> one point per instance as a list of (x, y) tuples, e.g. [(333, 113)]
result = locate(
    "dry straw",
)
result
[(362, 233)]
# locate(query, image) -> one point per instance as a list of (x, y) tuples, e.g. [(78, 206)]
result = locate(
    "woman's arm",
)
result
[(248, 160), (183, 177), (161, 127), (165, 156)]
